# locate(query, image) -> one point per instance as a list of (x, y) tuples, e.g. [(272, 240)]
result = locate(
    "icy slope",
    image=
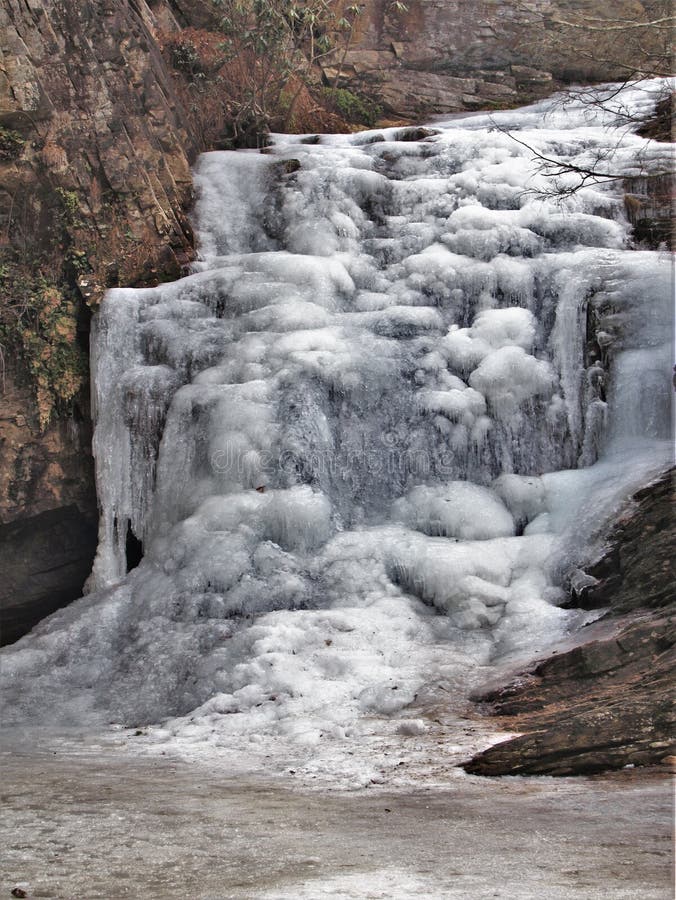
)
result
[(350, 441)]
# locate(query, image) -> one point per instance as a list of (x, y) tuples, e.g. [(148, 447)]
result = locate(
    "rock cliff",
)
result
[(608, 702), (95, 182), (447, 56)]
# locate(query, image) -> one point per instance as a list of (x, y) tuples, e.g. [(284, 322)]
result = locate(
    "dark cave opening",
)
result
[(133, 549)]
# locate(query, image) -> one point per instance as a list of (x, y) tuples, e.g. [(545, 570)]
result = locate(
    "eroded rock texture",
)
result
[(446, 56), (85, 85), (609, 702)]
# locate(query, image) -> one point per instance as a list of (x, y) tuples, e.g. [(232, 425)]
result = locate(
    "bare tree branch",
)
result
[(607, 25)]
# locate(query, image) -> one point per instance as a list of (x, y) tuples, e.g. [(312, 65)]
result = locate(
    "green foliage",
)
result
[(268, 21), (69, 204), (38, 323), (274, 46), (352, 107), (264, 72), (11, 144), (294, 32), (186, 59), (78, 261)]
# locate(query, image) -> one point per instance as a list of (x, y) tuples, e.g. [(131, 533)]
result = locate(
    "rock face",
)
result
[(636, 569), (649, 202), (44, 469), (95, 174), (45, 560), (86, 87), (609, 702), (446, 56)]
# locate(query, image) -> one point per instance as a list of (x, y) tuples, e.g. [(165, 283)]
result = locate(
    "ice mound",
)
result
[(499, 583), (510, 376), (363, 442), (461, 510), (506, 328), (524, 496)]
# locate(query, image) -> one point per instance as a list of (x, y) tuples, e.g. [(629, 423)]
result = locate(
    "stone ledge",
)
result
[(606, 703)]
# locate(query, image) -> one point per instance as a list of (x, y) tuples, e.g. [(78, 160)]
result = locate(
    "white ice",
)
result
[(364, 442)]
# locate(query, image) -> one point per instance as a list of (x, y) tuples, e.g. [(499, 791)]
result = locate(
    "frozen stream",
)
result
[(96, 824), (366, 442)]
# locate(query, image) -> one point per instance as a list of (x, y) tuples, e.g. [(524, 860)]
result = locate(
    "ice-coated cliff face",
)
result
[(359, 443)]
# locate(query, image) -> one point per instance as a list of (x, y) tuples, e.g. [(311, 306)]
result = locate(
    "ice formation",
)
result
[(366, 437)]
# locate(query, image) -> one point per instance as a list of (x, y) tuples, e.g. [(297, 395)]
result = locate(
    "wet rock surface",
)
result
[(636, 568), (649, 205), (607, 703)]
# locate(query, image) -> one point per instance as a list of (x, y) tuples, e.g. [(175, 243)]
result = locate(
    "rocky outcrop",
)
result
[(635, 569), (42, 469), (605, 705), (649, 203), (447, 56), (608, 702), (87, 90)]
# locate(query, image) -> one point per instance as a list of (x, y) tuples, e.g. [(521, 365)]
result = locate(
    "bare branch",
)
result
[(608, 25), (599, 172)]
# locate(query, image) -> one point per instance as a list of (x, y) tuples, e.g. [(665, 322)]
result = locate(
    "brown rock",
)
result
[(636, 567), (649, 202), (609, 702), (528, 76), (406, 57)]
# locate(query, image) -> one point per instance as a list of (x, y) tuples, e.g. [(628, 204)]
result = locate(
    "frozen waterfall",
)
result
[(364, 442)]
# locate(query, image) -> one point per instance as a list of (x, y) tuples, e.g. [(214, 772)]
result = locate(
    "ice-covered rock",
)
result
[(458, 509), (349, 440)]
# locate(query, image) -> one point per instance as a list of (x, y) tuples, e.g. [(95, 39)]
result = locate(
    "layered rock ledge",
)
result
[(609, 702)]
